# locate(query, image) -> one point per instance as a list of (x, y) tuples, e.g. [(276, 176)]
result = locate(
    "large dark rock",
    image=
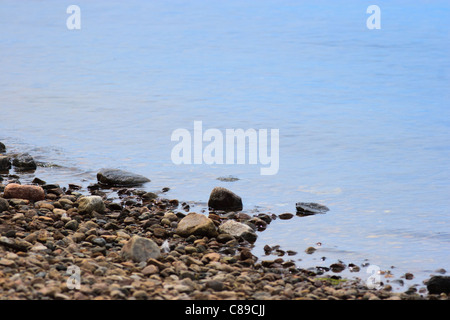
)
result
[(5, 163), (24, 161), (2, 147), (439, 284), (223, 199), (310, 208), (120, 178)]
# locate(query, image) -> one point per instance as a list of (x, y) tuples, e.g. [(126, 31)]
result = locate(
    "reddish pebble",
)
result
[(28, 192)]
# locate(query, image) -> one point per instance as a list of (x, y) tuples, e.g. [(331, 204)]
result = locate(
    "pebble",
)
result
[(285, 216)]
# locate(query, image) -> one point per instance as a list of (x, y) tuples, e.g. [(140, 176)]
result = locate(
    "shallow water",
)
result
[(363, 114)]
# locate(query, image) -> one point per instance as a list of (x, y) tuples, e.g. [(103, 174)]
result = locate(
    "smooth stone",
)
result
[(88, 204), (27, 192), (224, 199), (120, 178), (238, 230), (71, 225), (140, 249), (196, 224), (285, 216)]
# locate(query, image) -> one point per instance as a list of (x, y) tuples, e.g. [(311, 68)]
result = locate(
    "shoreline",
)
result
[(42, 242)]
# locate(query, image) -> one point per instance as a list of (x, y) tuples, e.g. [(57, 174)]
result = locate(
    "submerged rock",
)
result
[(140, 249), (120, 178), (228, 179), (310, 208), (196, 224), (27, 192), (238, 230), (24, 161), (224, 199)]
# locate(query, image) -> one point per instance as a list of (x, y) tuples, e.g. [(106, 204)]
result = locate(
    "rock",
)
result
[(91, 203), (16, 244), (439, 284), (24, 161), (27, 192), (36, 180), (149, 196), (223, 199), (4, 205), (196, 224), (71, 225), (285, 216), (310, 208), (120, 178), (5, 163), (140, 249), (238, 230), (310, 250), (409, 276), (2, 147), (214, 285), (337, 267)]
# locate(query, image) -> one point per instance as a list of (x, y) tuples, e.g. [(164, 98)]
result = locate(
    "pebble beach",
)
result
[(116, 241)]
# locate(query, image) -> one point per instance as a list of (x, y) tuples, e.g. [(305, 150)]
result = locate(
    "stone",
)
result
[(71, 225), (215, 285), (5, 163), (16, 244), (4, 205), (238, 230), (224, 199), (27, 192), (149, 270), (310, 208), (149, 196), (24, 161), (140, 249), (310, 250), (2, 147), (196, 224), (120, 178), (285, 216), (88, 204), (439, 284)]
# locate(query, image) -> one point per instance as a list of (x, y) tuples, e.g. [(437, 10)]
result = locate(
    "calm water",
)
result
[(363, 114)]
